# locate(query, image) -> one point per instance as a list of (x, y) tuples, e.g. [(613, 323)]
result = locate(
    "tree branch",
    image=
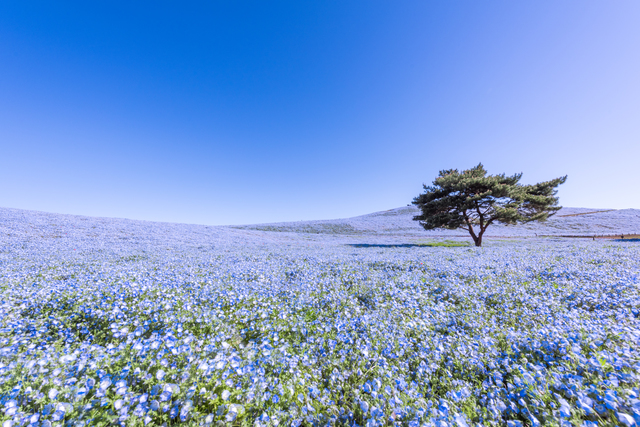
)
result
[(481, 216), (470, 230)]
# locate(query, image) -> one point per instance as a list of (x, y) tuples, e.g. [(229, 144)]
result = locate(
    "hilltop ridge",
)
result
[(568, 221), (37, 226)]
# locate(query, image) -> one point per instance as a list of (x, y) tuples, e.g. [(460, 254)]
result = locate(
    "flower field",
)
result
[(109, 322)]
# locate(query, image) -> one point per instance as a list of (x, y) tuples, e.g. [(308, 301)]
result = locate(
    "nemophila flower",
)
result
[(232, 413), (58, 415), (626, 419)]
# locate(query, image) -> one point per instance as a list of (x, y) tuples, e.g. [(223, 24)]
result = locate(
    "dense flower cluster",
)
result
[(136, 325)]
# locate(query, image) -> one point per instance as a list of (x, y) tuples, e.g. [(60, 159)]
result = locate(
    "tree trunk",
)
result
[(477, 239)]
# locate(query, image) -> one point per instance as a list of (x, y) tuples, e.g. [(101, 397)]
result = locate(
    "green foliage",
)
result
[(472, 200)]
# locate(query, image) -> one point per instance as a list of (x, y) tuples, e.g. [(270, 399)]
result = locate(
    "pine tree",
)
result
[(473, 200)]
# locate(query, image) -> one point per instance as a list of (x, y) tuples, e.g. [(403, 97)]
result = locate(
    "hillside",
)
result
[(396, 225), (399, 221)]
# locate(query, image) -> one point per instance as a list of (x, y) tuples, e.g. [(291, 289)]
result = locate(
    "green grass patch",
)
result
[(444, 243)]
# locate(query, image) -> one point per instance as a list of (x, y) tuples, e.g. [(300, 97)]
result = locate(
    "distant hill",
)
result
[(18, 225), (399, 221)]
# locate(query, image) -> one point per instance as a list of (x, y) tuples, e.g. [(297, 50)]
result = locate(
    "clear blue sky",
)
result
[(233, 112)]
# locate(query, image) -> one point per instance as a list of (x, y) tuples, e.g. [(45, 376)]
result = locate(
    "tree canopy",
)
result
[(472, 200)]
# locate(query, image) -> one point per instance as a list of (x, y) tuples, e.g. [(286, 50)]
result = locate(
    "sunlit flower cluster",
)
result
[(132, 323)]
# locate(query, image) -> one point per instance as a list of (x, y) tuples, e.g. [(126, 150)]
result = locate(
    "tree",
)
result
[(473, 200)]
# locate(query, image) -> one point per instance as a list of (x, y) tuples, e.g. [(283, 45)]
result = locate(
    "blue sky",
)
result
[(236, 112)]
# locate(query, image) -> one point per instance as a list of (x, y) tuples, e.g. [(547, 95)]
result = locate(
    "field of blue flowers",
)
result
[(129, 323)]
